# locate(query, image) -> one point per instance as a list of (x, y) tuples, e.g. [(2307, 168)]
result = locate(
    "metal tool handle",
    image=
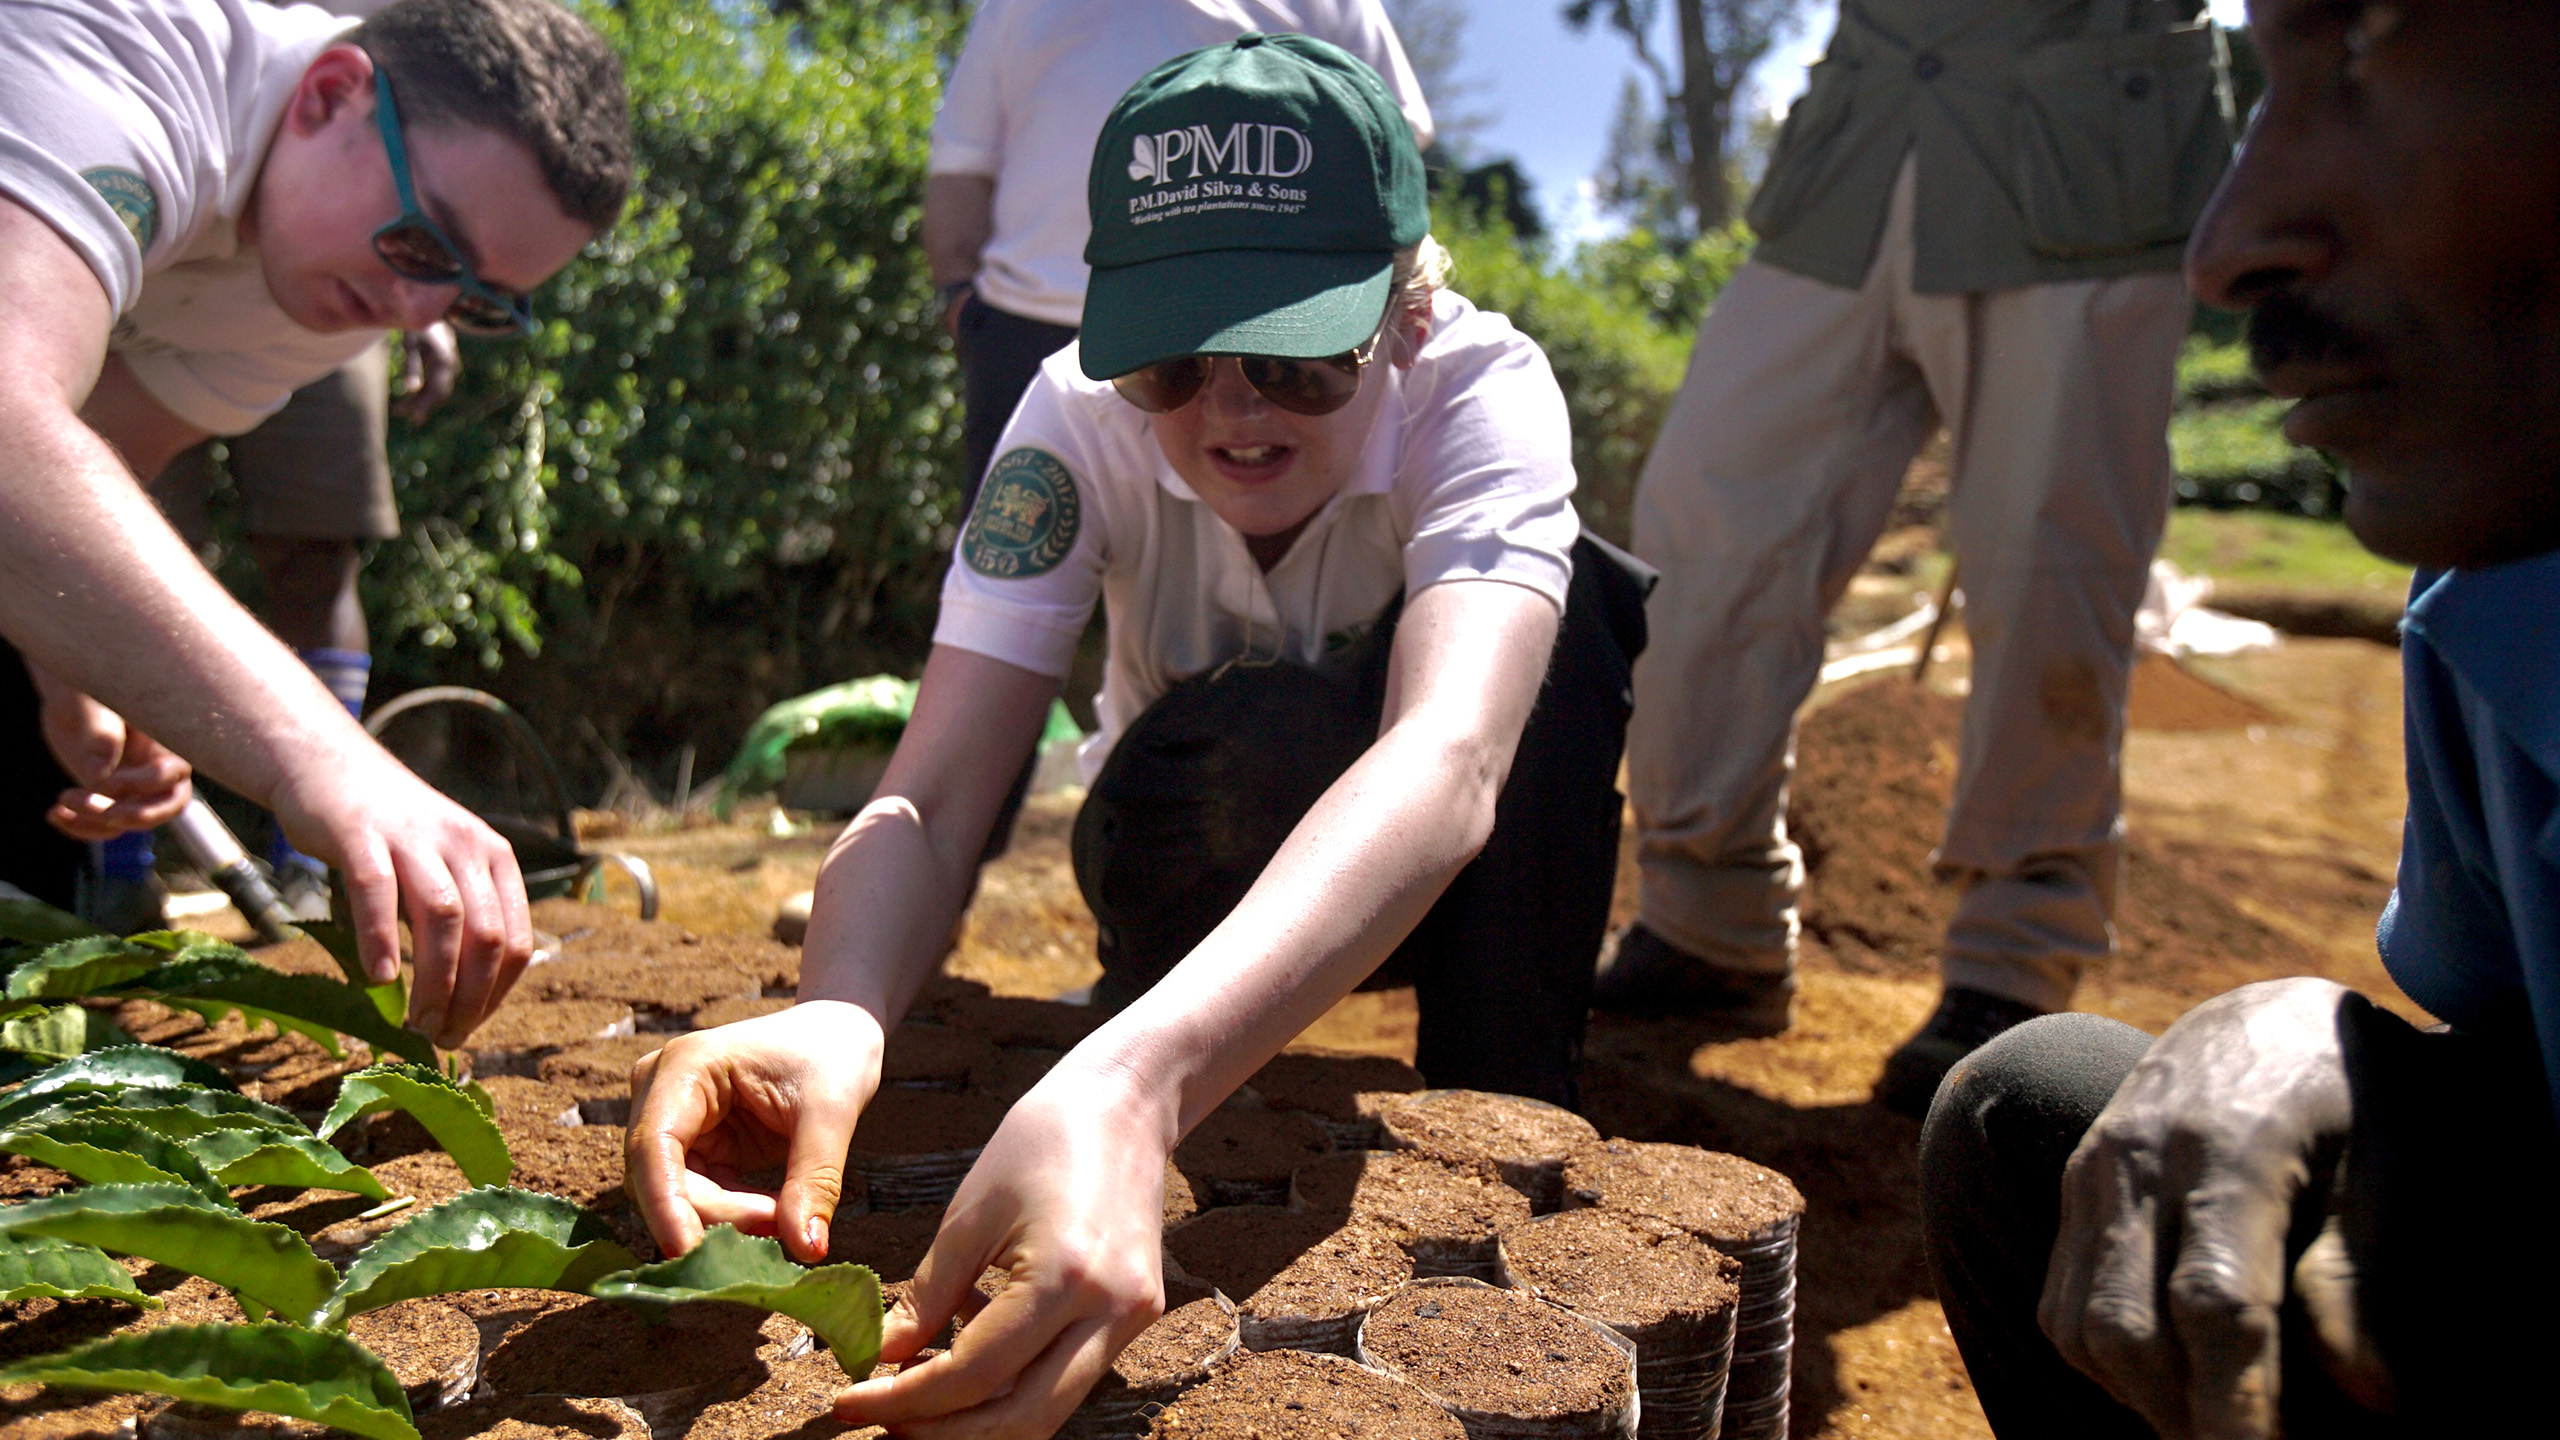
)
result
[(215, 850)]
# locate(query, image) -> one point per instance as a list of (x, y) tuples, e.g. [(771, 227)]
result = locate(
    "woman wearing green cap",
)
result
[(1364, 704)]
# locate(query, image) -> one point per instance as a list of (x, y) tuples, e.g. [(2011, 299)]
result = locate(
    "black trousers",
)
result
[(1000, 352), (34, 856), (2446, 1188), (1200, 792)]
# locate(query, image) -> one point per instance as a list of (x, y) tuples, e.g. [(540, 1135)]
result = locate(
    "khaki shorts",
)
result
[(316, 470)]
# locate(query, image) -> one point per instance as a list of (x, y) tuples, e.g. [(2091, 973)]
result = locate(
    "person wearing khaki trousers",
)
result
[(1888, 297)]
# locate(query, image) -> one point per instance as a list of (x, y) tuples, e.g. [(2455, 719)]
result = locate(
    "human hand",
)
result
[(403, 847), (122, 779), (954, 300), (1068, 1200), (717, 1104), (431, 360), (2207, 1150)]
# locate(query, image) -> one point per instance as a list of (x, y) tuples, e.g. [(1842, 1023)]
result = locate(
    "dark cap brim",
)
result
[(1300, 304)]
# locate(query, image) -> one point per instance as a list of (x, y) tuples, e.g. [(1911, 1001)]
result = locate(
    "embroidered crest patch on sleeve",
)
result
[(129, 195), (1027, 516)]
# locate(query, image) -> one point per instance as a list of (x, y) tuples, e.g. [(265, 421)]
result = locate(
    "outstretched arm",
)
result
[(97, 591), (1068, 1195)]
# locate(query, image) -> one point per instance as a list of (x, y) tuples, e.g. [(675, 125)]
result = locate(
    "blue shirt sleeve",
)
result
[(2473, 929)]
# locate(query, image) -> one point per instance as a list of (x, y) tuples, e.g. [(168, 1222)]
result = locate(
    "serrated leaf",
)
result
[(121, 1065), (112, 1152), (59, 1032), (281, 1369), (38, 1267), (85, 966), (452, 1112), (840, 1302), (311, 1005), (29, 921), (183, 1230), (262, 1157), (341, 944), (177, 1111), (488, 1238)]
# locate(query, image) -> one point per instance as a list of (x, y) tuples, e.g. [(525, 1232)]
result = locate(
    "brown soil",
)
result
[(1287, 1268), (1524, 1139), (891, 1243), (1445, 1214), (1292, 1395), (1242, 1156), (792, 1404), (934, 1057), (1176, 1350), (1722, 1199), (1012, 1073), (432, 1349), (535, 1417), (598, 1072), (1033, 1024), (1179, 1203), (664, 984), (903, 1122), (1638, 1276), (731, 1011), (514, 1041), (32, 1412), (1330, 1085), (24, 1179), (568, 1346), (1498, 1352), (581, 1163)]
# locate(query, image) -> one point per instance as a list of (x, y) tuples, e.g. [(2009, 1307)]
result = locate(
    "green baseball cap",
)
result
[(1247, 199)]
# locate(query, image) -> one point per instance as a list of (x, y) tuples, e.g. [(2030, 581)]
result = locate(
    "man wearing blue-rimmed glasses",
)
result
[(203, 205)]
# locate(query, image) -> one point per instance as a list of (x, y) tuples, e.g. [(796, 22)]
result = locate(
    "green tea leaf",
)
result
[(311, 1005), (121, 1065), (481, 1238), (281, 1369), (35, 1267), (840, 1302), (113, 1152), (456, 1113), (60, 1032), (260, 1157), (181, 1110), (81, 967), (29, 921), (179, 1228)]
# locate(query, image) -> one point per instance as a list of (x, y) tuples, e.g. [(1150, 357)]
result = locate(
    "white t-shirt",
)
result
[(1037, 78), (1468, 475), (136, 129)]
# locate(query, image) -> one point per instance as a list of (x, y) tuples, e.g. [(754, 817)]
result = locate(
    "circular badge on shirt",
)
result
[(1026, 519), (129, 195)]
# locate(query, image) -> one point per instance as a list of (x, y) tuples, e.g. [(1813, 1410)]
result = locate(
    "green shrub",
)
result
[(1618, 365), (725, 467)]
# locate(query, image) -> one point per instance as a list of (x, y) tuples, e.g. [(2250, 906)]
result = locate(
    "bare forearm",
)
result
[(959, 215), (887, 900), (97, 590)]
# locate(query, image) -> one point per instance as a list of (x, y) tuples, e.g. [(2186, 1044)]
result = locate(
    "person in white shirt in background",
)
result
[(205, 204), (1363, 711), (314, 487)]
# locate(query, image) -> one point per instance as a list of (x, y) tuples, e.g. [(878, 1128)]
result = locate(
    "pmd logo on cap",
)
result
[(1268, 152)]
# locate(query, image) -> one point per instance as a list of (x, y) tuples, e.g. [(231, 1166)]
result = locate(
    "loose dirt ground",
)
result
[(2263, 801)]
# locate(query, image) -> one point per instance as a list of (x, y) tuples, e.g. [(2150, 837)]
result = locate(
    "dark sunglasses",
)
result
[(1301, 387), (416, 248)]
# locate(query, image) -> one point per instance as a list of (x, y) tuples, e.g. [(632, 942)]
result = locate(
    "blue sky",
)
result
[(1552, 93)]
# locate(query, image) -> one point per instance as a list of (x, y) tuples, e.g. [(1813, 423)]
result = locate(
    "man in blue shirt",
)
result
[(2293, 1212)]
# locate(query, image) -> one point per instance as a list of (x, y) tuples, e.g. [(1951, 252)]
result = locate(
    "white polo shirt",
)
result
[(1035, 81), (1467, 475), (136, 129)]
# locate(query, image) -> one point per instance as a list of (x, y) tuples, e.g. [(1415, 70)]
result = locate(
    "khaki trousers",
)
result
[(1774, 474)]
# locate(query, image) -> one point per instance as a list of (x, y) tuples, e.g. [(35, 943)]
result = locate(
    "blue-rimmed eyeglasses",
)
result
[(416, 248)]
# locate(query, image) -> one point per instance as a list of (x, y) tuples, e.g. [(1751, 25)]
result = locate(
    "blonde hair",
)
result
[(1421, 271)]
